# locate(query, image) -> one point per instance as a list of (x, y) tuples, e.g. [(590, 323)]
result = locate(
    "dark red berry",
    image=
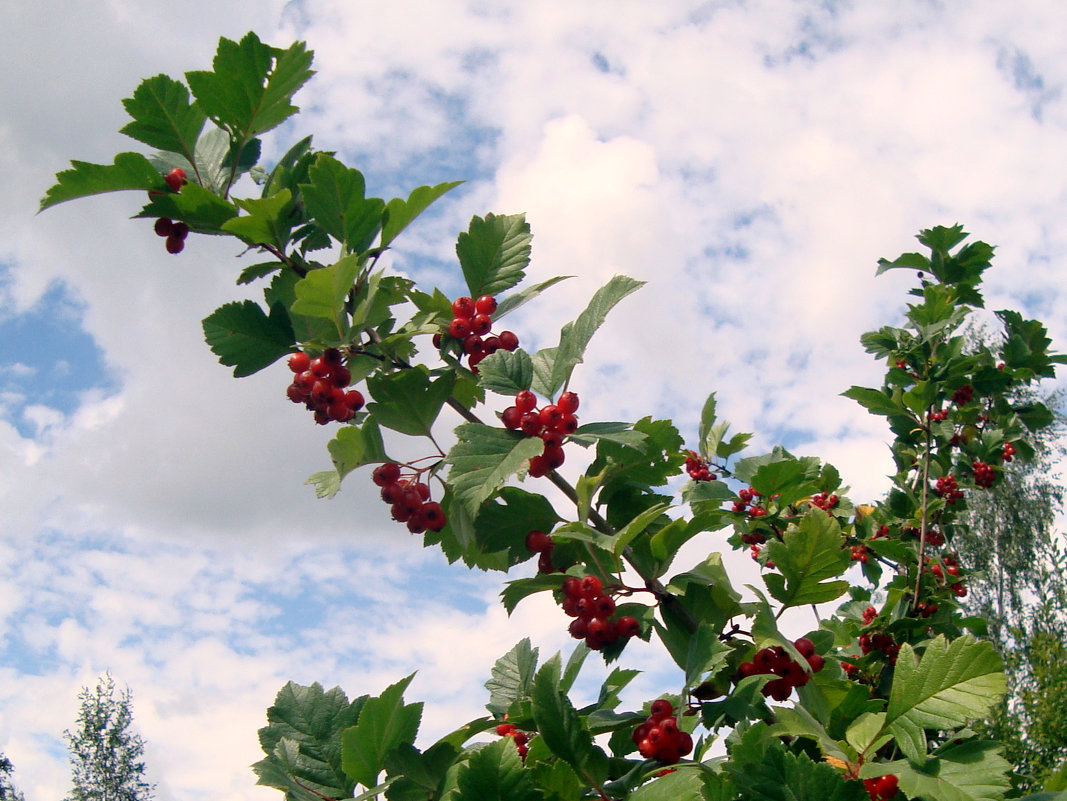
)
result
[(486, 304), (433, 516), (526, 401), (509, 340), (460, 327), (511, 417), (538, 541), (320, 367), (568, 402), (481, 324), (163, 226), (473, 344), (179, 230), (463, 307), (175, 245), (628, 626), (388, 473)]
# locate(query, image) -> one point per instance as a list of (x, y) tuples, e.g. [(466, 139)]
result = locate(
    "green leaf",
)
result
[(322, 293), (130, 171), (495, 773), (163, 116), (637, 526), (494, 252), (808, 555), (515, 591), (797, 721), (621, 433), (201, 208), (561, 728), (974, 770), (553, 366), (504, 522), (355, 446), (335, 199), (407, 401), (302, 740), (399, 213), (783, 776), (875, 401), (682, 785), (267, 221), (506, 373), (953, 683), (245, 338), (511, 677), (384, 723), (251, 86), (484, 458), (517, 299)]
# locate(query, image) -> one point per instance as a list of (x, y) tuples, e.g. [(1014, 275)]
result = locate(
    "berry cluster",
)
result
[(521, 738), (552, 422), (747, 502), (777, 661), (860, 553), (880, 641), (869, 614), (948, 489), (939, 417), (963, 395), (1007, 452), (541, 544), (471, 321), (320, 383), (984, 475), (409, 499), (659, 737), (175, 232), (824, 501), (698, 467), (882, 788), (585, 601)]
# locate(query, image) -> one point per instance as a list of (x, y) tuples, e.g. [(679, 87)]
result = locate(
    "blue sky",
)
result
[(750, 160)]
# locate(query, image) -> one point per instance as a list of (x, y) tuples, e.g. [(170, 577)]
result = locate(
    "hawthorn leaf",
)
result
[(219, 160), (163, 117), (637, 526), (130, 171), (495, 773), (553, 366), (517, 589), (334, 197), (784, 776), (561, 728), (415, 775), (681, 785), (973, 770), (399, 213), (302, 739), (505, 520), (407, 400), (876, 401), (494, 252), (266, 223), (356, 446), (516, 299), (243, 337), (322, 293), (202, 209), (511, 677), (249, 90), (484, 458), (384, 723), (621, 433), (808, 555), (506, 373)]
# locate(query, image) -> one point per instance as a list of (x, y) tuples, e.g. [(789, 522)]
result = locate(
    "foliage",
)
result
[(879, 691), (8, 791), (105, 754)]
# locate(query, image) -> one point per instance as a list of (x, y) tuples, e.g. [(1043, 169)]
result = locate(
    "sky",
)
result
[(751, 161)]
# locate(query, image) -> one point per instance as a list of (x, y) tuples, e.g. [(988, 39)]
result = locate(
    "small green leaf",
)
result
[(808, 555), (495, 773), (399, 213), (484, 458), (201, 208), (322, 293), (245, 338), (506, 373), (163, 117), (335, 199), (515, 591), (407, 401), (130, 171), (637, 526), (516, 299), (494, 252), (384, 723), (356, 446), (561, 728), (266, 223), (511, 677)]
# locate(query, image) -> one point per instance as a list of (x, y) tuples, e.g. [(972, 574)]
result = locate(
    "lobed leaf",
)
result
[(809, 554), (163, 117), (494, 252), (130, 171), (245, 338), (511, 677), (484, 458), (384, 723)]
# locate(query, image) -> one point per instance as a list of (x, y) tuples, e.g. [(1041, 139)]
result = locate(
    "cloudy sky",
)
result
[(750, 160)]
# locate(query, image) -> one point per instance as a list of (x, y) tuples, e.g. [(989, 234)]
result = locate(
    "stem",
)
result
[(923, 516)]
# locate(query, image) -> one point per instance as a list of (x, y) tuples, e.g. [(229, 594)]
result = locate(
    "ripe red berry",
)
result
[(590, 587), (388, 473), (175, 179), (526, 401), (481, 324), (463, 307), (537, 467), (460, 328), (299, 362), (505, 729), (805, 646), (568, 402), (661, 708), (538, 541), (491, 344), (509, 340), (473, 344), (179, 230), (627, 626), (175, 245), (433, 516), (530, 423), (511, 417), (163, 226), (486, 305)]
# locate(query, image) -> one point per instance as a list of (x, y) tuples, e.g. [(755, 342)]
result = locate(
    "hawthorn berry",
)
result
[(486, 305), (463, 307), (163, 226), (175, 179), (174, 245), (508, 340)]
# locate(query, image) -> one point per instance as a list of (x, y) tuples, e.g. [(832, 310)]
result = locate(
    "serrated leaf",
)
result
[(809, 554), (356, 446), (953, 683), (334, 197), (504, 521), (621, 433), (484, 458), (511, 677), (408, 401), (974, 770), (517, 299), (515, 591), (129, 171), (384, 723), (681, 785), (400, 213), (245, 338), (249, 90), (875, 401), (636, 526), (783, 776), (561, 728), (506, 373), (201, 208), (495, 773), (321, 293), (799, 722), (327, 483), (553, 366), (163, 117), (266, 223), (494, 252)]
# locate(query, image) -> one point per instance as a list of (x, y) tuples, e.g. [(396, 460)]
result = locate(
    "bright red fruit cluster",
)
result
[(984, 475), (409, 499), (472, 320), (778, 662), (880, 641), (948, 489), (1007, 453), (541, 544), (659, 737), (175, 232), (521, 738), (698, 467), (882, 788), (320, 383), (552, 423), (585, 601), (963, 395), (824, 501)]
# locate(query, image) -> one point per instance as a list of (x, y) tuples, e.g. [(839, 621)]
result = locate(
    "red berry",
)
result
[(553, 457), (538, 541), (163, 226), (805, 646), (627, 626), (320, 367), (505, 729), (299, 362), (175, 245), (544, 562), (486, 304), (473, 344), (530, 423), (175, 179), (508, 340), (341, 376), (388, 473), (578, 628), (816, 663), (537, 467), (433, 516), (179, 230), (491, 344), (481, 324), (551, 415), (296, 394), (590, 587), (526, 401), (661, 708), (463, 307), (460, 328), (568, 402), (391, 493), (568, 424), (511, 417)]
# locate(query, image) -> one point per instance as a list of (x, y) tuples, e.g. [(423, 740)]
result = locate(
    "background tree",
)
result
[(7, 788), (105, 754)]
